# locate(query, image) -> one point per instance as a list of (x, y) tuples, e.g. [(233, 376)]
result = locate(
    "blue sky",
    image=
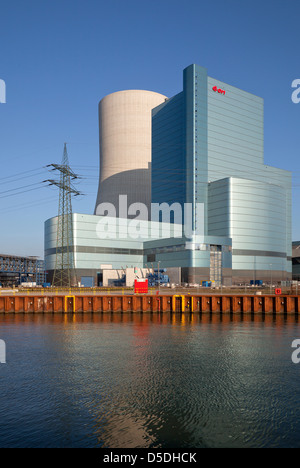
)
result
[(59, 58)]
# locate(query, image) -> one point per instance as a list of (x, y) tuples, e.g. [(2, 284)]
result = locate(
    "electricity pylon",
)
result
[(64, 273)]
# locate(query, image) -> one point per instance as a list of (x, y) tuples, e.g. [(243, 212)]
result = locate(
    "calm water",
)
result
[(149, 381)]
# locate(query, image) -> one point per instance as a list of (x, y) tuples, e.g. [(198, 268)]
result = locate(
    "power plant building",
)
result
[(208, 147), (201, 150)]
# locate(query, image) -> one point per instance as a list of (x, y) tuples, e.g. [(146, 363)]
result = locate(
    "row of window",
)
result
[(155, 251)]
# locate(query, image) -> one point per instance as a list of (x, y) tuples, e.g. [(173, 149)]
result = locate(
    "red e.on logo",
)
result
[(219, 90)]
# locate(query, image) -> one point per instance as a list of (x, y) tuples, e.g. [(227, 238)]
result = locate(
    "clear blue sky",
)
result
[(59, 58)]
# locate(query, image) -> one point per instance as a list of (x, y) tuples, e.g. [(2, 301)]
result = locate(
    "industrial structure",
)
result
[(296, 260), (64, 274), (125, 147), (15, 270), (204, 148)]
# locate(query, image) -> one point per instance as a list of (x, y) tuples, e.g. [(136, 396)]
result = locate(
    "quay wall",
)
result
[(267, 304)]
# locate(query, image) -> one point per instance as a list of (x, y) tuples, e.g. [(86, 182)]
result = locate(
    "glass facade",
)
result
[(222, 133), (207, 148)]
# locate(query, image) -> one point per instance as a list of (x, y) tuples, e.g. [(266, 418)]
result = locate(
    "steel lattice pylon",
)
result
[(64, 273)]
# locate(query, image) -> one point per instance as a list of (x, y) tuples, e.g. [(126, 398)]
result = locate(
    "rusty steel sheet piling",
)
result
[(220, 304)]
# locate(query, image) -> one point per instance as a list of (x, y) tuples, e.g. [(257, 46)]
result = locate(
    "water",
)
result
[(149, 381)]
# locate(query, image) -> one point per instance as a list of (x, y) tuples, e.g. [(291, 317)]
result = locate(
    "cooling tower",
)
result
[(125, 122)]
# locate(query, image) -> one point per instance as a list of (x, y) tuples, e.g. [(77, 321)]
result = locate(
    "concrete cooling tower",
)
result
[(125, 122)]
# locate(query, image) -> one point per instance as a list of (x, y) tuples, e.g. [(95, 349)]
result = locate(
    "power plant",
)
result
[(197, 159)]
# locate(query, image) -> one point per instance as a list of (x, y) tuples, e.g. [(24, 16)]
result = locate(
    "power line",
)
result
[(27, 205), (21, 193), (21, 178), (20, 173), (19, 188)]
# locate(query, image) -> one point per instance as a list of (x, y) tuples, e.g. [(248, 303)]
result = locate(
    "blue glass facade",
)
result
[(168, 129), (245, 200)]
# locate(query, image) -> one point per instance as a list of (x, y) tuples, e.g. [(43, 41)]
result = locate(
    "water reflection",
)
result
[(154, 318), (149, 380)]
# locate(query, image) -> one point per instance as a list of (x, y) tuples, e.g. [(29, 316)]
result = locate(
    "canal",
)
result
[(149, 381)]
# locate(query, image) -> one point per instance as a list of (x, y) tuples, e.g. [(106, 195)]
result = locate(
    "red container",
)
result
[(141, 286)]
